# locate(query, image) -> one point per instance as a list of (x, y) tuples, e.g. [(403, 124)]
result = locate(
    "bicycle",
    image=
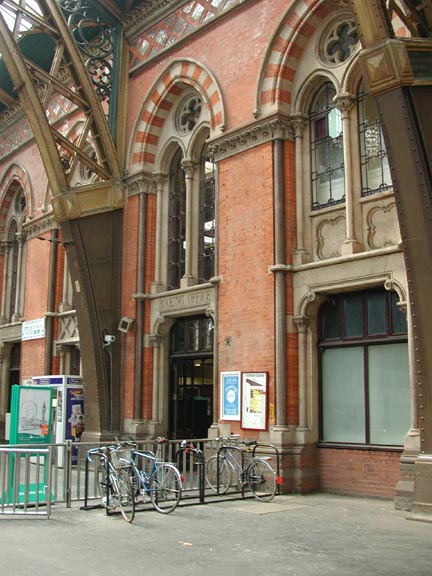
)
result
[(233, 466), (161, 481), (114, 481)]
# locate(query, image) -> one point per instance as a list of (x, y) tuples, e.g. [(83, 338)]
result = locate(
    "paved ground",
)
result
[(293, 535)]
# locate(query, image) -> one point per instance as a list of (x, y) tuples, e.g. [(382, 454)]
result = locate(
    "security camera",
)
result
[(109, 338)]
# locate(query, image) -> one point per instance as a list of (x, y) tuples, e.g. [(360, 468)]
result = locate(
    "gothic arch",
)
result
[(180, 75), (14, 177), (279, 67)]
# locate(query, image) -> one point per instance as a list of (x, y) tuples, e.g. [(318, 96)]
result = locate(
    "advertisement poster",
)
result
[(230, 395), (34, 414), (73, 411), (254, 400)]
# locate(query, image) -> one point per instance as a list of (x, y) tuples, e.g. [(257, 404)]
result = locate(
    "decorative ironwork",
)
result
[(93, 34)]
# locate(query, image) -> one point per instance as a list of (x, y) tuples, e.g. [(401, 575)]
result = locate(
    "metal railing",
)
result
[(24, 467), (25, 481)]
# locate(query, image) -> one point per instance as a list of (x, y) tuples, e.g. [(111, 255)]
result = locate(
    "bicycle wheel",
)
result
[(261, 479), (125, 494), (218, 474), (133, 475), (101, 483), (165, 487)]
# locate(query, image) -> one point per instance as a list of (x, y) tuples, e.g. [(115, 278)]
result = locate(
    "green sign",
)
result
[(31, 423), (31, 415)]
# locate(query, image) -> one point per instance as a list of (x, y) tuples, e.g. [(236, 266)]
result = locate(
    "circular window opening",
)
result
[(340, 42), (188, 114)]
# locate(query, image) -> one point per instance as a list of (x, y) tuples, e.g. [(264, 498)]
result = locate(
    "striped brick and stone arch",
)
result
[(15, 178), (274, 91), (180, 76)]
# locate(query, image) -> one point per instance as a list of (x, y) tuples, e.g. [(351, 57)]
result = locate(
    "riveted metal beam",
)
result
[(31, 104), (401, 81), (66, 76)]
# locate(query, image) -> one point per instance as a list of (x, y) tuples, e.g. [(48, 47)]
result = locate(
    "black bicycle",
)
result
[(114, 480)]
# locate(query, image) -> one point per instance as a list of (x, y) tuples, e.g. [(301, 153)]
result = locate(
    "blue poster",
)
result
[(230, 395)]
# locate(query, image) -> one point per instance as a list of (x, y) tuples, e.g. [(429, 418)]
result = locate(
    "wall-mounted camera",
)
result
[(109, 338)]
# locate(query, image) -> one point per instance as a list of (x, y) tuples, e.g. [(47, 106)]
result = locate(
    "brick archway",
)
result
[(180, 75), (279, 68), (14, 177)]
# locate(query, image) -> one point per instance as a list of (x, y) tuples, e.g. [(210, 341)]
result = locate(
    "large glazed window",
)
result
[(207, 219), (364, 370), (328, 179), (14, 249), (375, 171), (176, 223)]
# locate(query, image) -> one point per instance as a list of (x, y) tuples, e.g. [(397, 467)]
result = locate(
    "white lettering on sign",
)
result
[(185, 300)]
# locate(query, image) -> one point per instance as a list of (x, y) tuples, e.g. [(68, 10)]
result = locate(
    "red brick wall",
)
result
[(359, 472), (35, 305), (246, 296)]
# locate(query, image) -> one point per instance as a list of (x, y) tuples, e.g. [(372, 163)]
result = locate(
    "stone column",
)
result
[(344, 104), (302, 324), (21, 237), (299, 123), (160, 182), (6, 284), (189, 168)]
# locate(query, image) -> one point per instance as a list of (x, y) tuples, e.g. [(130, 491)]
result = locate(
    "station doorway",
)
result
[(191, 378)]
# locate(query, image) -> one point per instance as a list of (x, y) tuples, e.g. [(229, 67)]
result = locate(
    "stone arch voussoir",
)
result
[(163, 95), (274, 92), (15, 174)]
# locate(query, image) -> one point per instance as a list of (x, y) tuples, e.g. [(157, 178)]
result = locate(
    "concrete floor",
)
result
[(310, 535)]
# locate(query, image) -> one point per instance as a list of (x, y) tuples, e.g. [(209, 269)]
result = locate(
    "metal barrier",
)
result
[(25, 481), (76, 479)]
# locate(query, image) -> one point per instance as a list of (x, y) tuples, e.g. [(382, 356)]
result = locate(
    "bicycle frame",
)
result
[(145, 477), (116, 482), (238, 461)]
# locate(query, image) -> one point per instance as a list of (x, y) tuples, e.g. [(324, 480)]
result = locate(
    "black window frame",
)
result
[(365, 341)]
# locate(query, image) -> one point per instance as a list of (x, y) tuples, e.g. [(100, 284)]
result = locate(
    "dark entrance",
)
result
[(14, 368), (191, 377)]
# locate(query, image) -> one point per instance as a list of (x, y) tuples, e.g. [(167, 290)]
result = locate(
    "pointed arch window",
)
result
[(328, 178), (375, 171), (207, 233), (14, 256), (176, 222)]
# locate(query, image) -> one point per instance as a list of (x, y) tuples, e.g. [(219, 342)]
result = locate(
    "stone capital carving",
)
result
[(140, 183), (189, 167), (299, 122), (344, 102), (302, 323), (264, 130)]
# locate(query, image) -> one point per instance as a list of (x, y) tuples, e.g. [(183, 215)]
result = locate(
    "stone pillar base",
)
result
[(422, 505), (405, 487)]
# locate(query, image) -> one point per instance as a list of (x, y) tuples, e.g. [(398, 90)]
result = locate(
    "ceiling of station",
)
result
[(22, 18)]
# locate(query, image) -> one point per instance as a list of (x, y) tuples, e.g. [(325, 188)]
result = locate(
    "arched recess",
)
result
[(279, 67), (181, 74), (306, 318), (14, 177)]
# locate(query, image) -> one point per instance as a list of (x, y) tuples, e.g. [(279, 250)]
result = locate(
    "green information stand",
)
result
[(31, 416)]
